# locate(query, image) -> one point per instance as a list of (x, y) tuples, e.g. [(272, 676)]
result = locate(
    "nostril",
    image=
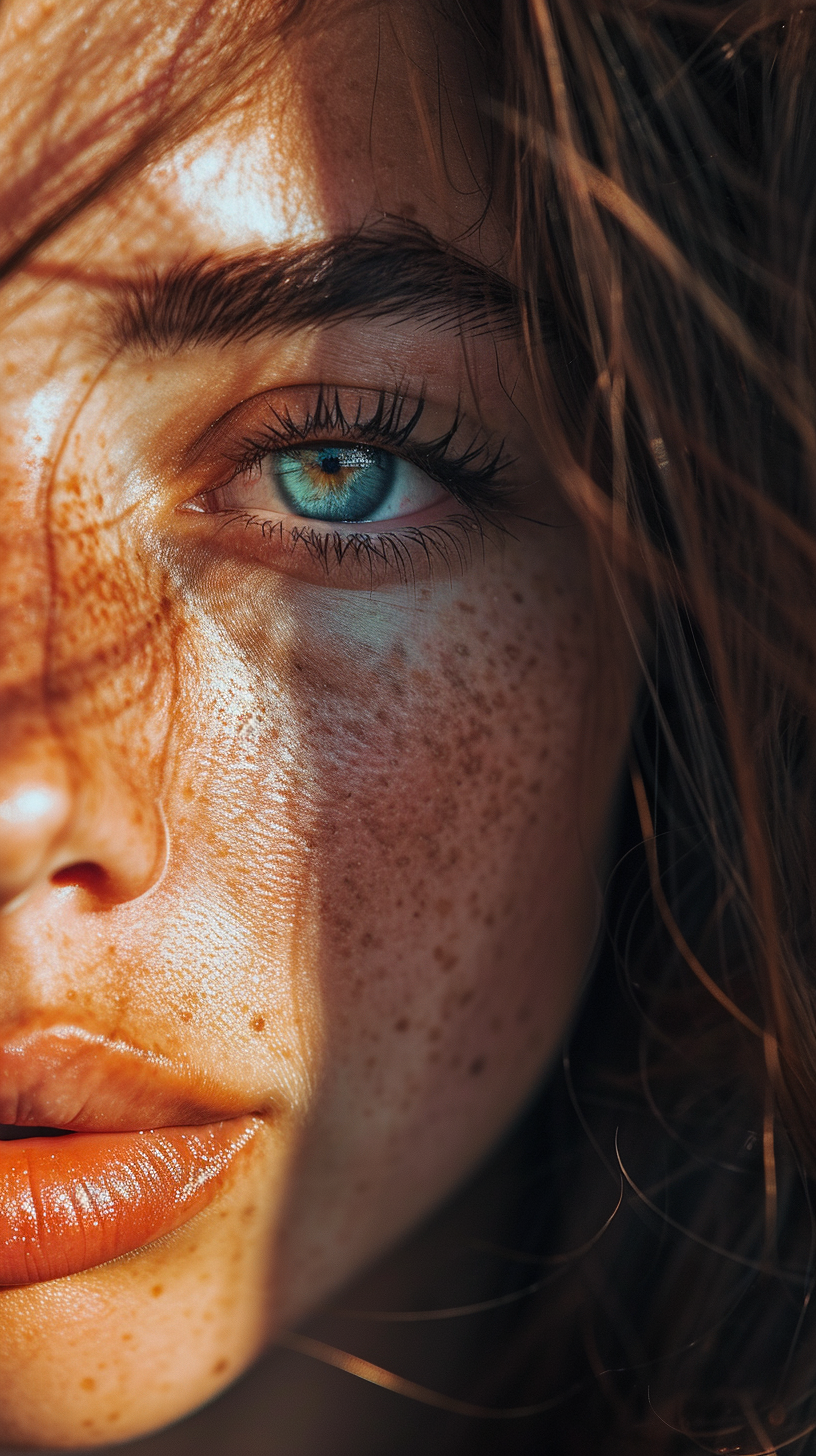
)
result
[(85, 875)]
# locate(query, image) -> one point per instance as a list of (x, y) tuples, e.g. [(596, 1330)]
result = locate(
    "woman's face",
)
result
[(313, 707)]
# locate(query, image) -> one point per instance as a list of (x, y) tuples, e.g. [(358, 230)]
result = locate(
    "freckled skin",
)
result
[(335, 846)]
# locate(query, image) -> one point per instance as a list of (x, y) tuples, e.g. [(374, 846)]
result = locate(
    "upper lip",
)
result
[(66, 1077)]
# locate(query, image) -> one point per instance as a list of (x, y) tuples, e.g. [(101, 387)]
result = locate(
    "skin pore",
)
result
[(320, 810)]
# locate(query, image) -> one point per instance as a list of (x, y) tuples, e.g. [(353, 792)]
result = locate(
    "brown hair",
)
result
[(659, 159)]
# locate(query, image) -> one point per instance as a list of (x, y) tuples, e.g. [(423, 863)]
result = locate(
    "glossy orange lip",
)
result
[(71, 1203), (151, 1145)]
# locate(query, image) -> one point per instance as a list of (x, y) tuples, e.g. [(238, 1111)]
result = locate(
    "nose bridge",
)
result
[(81, 611), (81, 633), (79, 792)]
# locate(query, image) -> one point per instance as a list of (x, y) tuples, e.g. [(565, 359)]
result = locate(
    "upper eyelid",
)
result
[(384, 422), (480, 443), (197, 446), (474, 469)]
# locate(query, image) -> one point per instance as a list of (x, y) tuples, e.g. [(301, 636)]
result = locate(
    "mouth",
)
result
[(103, 1150)]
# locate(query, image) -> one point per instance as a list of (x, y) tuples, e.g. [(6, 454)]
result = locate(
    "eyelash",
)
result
[(473, 474)]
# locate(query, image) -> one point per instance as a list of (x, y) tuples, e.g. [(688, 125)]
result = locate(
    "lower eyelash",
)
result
[(448, 544)]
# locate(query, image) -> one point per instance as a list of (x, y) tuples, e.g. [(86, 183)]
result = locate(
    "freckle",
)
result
[(249, 1211), (402, 1024), (157, 1290), (517, 597), (445, 958), (126, 1339), (185, 1016), (88, 1383), (434, 1033), (258, 1023), (476, 1066), (220, 1366), (114, 1416)]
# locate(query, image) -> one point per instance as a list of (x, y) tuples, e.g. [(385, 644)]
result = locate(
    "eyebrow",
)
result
[(409, 277)]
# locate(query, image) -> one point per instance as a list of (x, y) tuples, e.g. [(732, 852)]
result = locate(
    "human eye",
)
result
[(330, 482), (358, 485)]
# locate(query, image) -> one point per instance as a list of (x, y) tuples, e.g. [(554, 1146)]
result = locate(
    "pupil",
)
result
[(330, 464)]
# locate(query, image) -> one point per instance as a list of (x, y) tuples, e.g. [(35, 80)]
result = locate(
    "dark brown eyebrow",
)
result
[(408, 276)]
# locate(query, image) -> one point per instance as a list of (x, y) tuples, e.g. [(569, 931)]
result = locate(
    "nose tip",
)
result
[(95, 835), (33, 818), (35, 809)]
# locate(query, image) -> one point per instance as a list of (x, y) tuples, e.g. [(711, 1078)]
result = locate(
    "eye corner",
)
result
[(192, 506)]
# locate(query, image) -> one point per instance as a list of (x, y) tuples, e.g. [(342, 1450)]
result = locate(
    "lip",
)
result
[(149, 1148), (71, 1203), (63, 1076)]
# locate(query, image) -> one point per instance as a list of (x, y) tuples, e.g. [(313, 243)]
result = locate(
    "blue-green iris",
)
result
[(334, 482)]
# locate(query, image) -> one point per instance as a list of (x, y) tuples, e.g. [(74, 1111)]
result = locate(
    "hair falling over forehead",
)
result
[(170, 68)]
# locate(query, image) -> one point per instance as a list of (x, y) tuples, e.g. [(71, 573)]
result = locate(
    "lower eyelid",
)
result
[(389, 553)]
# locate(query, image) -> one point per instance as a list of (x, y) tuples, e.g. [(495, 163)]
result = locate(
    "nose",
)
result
[(95, 835)]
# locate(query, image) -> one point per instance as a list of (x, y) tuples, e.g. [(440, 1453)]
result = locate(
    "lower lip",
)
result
[(71, 1203)]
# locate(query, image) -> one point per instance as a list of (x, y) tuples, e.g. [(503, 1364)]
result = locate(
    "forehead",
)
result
[(234, 128)]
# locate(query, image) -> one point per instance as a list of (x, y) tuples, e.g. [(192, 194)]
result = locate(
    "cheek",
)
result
[(455, 867), (413, 790), (444, 770), (460, 772), (401, 811)]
